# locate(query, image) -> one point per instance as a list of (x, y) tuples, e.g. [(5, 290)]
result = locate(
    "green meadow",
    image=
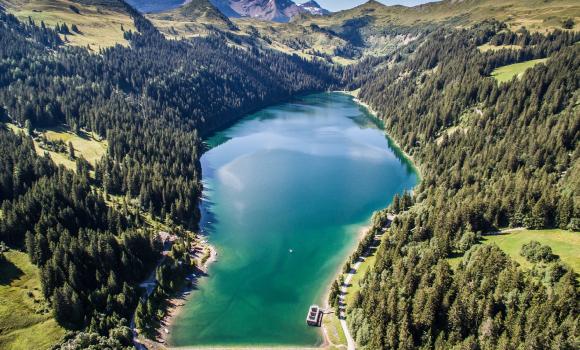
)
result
[(506, 73), (565, 244), (25, 319)]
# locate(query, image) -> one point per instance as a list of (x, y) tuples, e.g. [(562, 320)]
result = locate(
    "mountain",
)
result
[(225, 8), (314, 8), (269, 10), (535, 15), (154, 6), (199, 10), (193, 18)]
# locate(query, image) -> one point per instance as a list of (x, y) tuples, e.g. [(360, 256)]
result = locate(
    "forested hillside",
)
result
[(492, 155), (152, 102)]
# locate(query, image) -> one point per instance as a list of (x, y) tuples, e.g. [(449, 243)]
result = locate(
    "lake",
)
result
[(287, 190)]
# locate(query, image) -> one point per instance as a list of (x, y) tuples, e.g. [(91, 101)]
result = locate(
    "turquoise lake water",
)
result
[(287, 190)]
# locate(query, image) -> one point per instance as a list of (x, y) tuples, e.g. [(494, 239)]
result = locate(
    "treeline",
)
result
[(412, 299), (173, 275), (492, 155), (91, 257)]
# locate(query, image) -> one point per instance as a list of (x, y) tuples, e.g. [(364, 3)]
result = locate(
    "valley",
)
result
[(139, 137), (282, 233)]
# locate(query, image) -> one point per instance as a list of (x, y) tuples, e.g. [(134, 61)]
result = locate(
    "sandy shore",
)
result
[(176, 303)]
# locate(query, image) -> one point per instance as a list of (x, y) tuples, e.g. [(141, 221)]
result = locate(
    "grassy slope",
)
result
[(565, 244), (355, 281), (506, 73), (85, 145), (285, 37), (25, 320), (334, 329), (99, 26), (190, 20), (294, 38), (536, 15), (489, 47), (299, 37)]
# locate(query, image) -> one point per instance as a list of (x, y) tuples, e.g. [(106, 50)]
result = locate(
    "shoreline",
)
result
[(363, 230), (412, 162), (177, 302), (361, 233)]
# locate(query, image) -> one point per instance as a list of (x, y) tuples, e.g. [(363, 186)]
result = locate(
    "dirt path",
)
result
[(351, 345), (507, 230), (342, 300)]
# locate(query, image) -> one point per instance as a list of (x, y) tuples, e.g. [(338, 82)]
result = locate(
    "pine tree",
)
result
[(71, 151), (28, 127)]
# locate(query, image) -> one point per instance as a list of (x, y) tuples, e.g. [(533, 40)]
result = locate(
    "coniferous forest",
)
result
[(491, 155), (512, 163)]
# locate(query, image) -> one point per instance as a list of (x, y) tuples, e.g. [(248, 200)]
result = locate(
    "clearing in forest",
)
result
[(506, 73), (565, 244), (25, 319)]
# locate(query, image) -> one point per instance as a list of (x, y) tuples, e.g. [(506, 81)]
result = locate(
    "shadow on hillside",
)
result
[(9, 272)]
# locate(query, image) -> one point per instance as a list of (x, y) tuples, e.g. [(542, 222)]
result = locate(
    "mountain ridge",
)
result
[(269, 10), (314, 8)]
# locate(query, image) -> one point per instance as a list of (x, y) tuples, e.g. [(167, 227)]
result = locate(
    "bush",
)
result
[(535, 252), (574, 225), (568, 24), (467, 240), (3, 248)]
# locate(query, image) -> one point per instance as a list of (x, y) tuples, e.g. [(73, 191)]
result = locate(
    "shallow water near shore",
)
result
[(286, 191)]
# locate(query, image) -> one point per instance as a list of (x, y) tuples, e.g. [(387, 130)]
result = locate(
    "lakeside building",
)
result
[(314, 317)]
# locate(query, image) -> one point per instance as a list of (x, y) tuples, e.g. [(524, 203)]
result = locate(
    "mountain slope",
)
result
[(197, 17), (155, 6), (313, 8), (100, 22), (535, 15), (270, 10)]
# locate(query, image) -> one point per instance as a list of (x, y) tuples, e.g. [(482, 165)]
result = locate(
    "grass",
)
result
[(489, 47), (100, 27), (25, 319), (535, 15), (506, 73), (358, 276), (565, 244), (87, 145), (331, 324)]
